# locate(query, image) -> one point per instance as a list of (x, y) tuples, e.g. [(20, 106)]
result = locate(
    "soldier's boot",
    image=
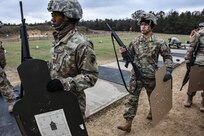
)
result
[(189, 101), (126, 127), (149, 116), (202, 105)]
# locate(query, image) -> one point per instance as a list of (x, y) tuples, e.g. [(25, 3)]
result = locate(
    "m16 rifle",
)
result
[(25, 52), (128, 57), (191, 63)]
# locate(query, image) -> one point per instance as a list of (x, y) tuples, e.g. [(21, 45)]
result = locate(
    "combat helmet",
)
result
[(148, 17), (201, 24), (70, 8)]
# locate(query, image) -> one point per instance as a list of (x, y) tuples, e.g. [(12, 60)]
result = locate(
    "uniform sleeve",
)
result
[(87, 68), (166, 54), (131, 48), (190, 50)]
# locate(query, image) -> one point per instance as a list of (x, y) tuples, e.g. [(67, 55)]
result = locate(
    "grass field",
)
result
[(102, 44)]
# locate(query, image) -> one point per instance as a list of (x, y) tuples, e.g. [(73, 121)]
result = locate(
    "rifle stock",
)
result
[(126, 55)]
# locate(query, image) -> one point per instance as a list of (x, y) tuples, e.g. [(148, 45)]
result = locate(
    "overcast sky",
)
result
[(36, 10)]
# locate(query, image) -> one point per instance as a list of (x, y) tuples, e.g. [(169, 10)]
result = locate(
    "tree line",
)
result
[(171, 22)]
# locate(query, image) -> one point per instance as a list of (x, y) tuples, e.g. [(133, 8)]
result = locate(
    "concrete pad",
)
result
[(114, 65), (103, 94), (183, 51)]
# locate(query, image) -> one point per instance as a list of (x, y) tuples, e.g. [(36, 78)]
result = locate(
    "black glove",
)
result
[(54, 85), (167, 76)]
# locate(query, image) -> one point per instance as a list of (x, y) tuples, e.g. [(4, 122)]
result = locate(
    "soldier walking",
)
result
[(145, 49)]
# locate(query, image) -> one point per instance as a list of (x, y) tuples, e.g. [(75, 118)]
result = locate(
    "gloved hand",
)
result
[(167, 76), (54, 85)]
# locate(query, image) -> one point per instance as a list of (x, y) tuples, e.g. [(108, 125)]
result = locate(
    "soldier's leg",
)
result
[(131, 105), (149, 86), (82, 103), (7, 91), (189, 100), (202, 102)]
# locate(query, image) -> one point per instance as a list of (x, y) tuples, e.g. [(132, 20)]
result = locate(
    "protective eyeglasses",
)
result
[(56, 14)]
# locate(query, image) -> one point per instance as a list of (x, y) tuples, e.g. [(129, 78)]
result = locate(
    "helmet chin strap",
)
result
[(150, 22), (60, 26)]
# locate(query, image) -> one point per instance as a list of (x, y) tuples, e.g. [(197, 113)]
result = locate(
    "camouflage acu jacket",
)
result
[(200, 55), (146, 53), (73, 61)]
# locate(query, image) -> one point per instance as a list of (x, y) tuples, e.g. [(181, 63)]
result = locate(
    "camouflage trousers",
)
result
[(136, 86), (6, 88), (82, 103), (194, 93)]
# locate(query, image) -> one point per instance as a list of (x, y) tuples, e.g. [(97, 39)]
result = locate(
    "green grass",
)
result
[(102, 45), (13, 49)]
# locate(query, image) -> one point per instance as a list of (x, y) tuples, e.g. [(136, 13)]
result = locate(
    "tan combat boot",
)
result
[(202, 105), (149, 116), (188, 102), (126, 127)]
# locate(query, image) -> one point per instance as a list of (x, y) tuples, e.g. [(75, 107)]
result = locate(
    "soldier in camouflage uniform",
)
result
[(198, 35), (73, 65), (174, 41), (6, 88), (145, 49)]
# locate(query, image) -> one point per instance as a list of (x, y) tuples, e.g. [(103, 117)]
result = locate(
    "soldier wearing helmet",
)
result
[(201, 25), (73, 65), (194, 31), (145, 48), (197, 37)]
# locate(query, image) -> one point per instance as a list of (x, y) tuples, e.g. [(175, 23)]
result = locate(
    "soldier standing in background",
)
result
[(197, 36), (73, 65), (145, 49), (6, 88)]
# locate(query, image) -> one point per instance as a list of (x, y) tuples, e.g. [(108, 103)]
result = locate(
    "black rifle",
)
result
[(25, 52), (192, 61), (128, 57)]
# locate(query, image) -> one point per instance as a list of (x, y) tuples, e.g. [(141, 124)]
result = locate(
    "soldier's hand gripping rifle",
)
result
[(191, 63), (128, 57), (25, 52)]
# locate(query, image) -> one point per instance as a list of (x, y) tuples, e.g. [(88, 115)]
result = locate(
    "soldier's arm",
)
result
[(131, 48), (87, 68), (190, 50), (166, 54)]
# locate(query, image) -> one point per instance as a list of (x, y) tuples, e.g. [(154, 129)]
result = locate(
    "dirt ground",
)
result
[(180, 121)]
